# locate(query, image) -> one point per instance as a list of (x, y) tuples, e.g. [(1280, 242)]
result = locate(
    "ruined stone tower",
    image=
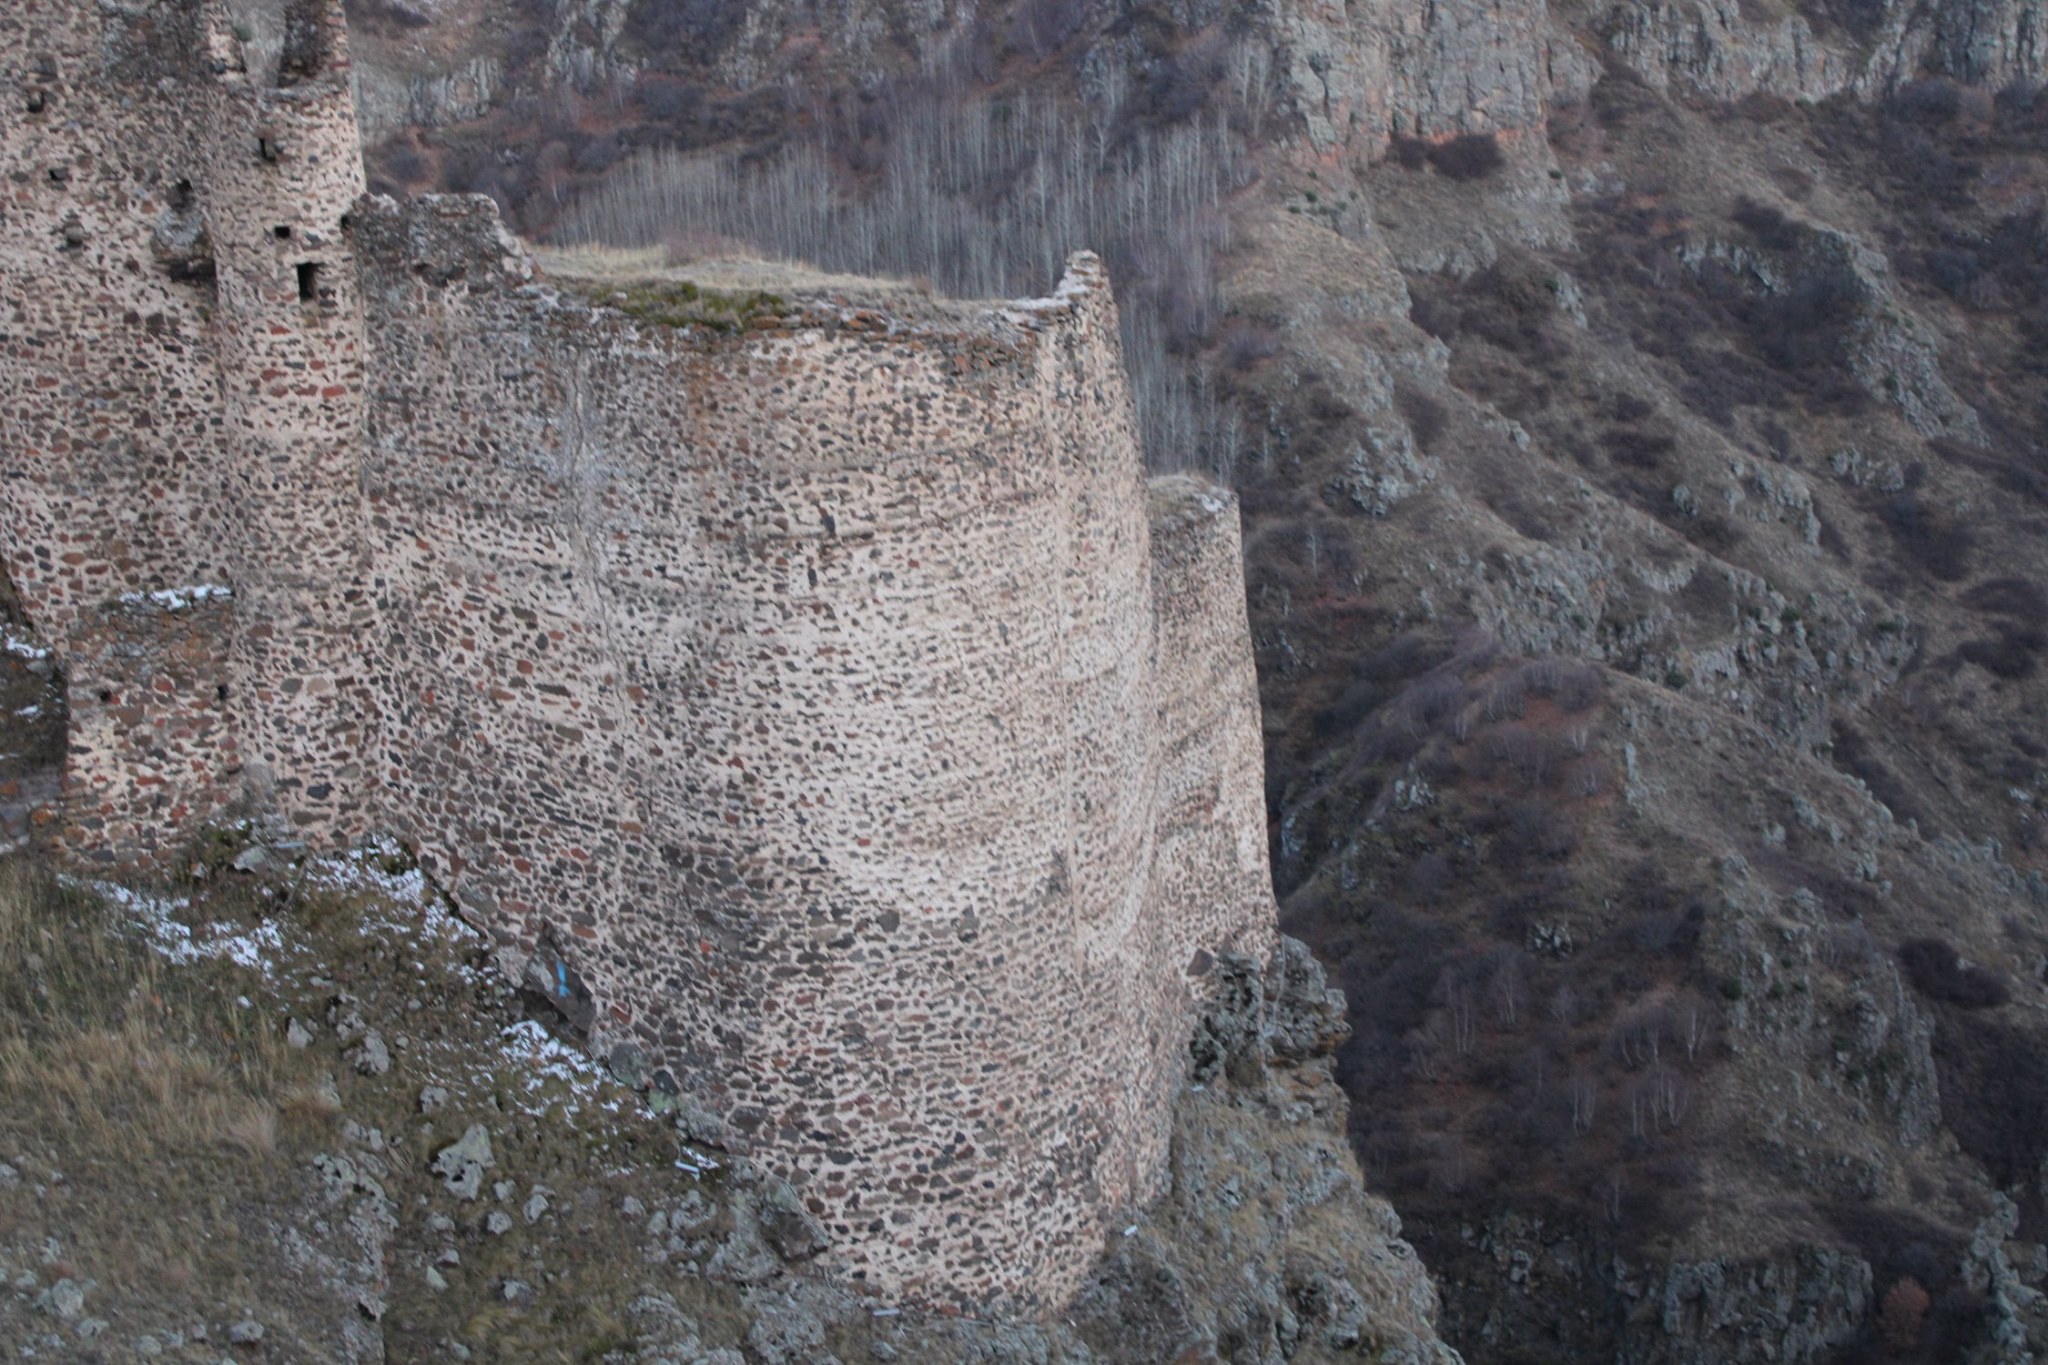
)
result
[(828, 703), (279, 170), (183, 378)]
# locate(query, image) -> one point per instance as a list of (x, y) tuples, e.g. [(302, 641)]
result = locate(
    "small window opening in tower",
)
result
[(38, 100), (181, 195), (267, 148), (281, 232), (309, 281)]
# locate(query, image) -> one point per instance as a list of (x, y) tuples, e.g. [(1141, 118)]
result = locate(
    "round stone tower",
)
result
[(280, 170)]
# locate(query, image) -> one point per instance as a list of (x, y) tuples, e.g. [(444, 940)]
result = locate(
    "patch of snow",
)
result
[(20, 648), (362, 869), (527, 1041), (547, 1059), (178, 599), (30, 711), (175, 940)]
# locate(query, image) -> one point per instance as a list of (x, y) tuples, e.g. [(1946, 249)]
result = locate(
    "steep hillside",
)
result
[(284, 1109), (1687, 403)]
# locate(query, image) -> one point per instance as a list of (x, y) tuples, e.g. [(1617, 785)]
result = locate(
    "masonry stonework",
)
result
[(829, 705)]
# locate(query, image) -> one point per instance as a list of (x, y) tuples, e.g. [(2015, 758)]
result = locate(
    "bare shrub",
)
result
[(1412, 153), (1939, 543), (1931, 99), (1634, 448), (2011, 652), (1579, 687), (2020, 598), (1529, 754), (1637, 1038), (1848, 947), (1182, 82), (1853, 754), (1424, 415), (405, 161), (1508, 696), (1936, 971), (1430, 701), (1540, 829), (1424, 1048), (1904, 1314), (1770, 228), (1469, 156), (682, 25), (1665, 929), (1542, 675), (1994, 1093), (1246, 343), (1042, 27)]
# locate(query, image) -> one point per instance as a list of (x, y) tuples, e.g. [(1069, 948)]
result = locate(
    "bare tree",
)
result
[(1425, 1048), (986, 198), (1450, 1167), (1584, 1095), (1693, 1021), (1463, 723), (1509, 696), (1510, 986), (1462, 1005), (1637, 1037), (1669, 1097)]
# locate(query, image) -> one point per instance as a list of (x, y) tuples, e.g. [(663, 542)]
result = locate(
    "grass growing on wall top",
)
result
[(641, 284), (683, 303)]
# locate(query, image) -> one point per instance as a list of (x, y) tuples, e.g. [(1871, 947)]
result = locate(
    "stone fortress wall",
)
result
[(832, 707)]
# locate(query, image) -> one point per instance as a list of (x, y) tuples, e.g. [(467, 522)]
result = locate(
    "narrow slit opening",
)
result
[(309, 281)]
